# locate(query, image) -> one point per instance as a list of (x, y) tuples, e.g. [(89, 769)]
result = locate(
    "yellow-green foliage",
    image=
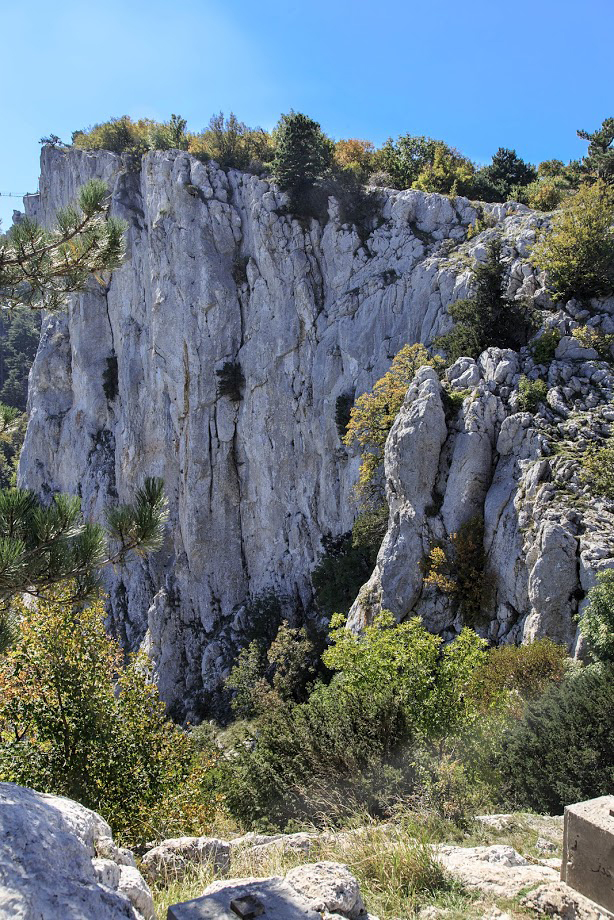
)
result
[(457, 569), (589, 337), (12, 432), (598, 469), (355, 156), (118, 135), (546, 194), (578, 253), (524, 670), (374, 413), (449, 173), (531, 394), (76, 721)]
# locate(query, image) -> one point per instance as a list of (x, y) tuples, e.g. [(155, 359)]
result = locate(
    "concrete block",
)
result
[(588, 850)]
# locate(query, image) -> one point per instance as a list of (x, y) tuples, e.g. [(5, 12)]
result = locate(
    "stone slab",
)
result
[(267, 899), (588, 850)]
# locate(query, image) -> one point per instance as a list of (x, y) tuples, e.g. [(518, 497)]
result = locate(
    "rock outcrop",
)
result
[(221, 281), (319, 891), (58, 861)]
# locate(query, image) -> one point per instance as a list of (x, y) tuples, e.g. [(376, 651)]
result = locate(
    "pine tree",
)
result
[(43, 545), (599, 161), (39, 268), (489, 317), (304, 154)]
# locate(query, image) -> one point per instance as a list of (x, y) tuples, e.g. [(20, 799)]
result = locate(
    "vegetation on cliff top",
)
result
[(410, 161)]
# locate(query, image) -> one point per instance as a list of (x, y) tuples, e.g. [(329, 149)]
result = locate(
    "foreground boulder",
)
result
[(318, 891), (58, 861)]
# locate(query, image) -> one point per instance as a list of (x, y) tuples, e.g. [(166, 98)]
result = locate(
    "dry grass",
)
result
[(393, 863)]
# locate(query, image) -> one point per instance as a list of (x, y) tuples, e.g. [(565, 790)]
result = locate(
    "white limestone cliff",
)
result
[(218, 272)]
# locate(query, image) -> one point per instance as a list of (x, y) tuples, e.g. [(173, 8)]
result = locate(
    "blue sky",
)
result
[(479, 74)]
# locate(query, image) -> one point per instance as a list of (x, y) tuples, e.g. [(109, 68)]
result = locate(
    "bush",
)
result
[(562, 749), (544, 348), (457, 569), (531, 394), (281, 672), (373, 415), (340, 573), (231, 381), (119, 135), (523, 670), (232, 144), (489, 317), (578, 254), (76, 721), (597, 623), (598, 470), (602, 342), (349, 746), (449, 173)]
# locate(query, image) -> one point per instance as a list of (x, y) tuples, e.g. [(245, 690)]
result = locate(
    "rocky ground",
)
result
[(58, 861)]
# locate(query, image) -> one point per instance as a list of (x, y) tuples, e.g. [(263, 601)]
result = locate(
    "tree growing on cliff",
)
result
[(489, 317), (39, 268), (373, 416), (42, 545), (578, 253), (303, 154), (599, 161)]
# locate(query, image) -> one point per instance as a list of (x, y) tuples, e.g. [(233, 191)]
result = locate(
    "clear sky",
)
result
[(478, 74)]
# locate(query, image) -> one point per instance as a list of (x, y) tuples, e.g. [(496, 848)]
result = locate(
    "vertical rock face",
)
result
[(126, 385)]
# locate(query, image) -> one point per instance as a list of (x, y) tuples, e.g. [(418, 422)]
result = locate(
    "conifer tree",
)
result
[(599, 161), (489, 317), (40, 268), (303, 155), (43, 545)]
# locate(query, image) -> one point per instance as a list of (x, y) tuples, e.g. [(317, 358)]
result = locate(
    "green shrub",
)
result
[(489, 317), (231, 381), (340, 573), (544, 347), (602, 342), (523, 670), (531, 394), (373, 416), (76, 721), (232, 144), (562, 749), (597, 623), (598, 469), (578, 254), (349, 747), (119, 135), (279, 672), (458, 570)]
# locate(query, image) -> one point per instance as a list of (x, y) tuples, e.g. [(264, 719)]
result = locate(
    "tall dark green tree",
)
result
[(489, 317), (303, 155), (504, 177), (599, 161)]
